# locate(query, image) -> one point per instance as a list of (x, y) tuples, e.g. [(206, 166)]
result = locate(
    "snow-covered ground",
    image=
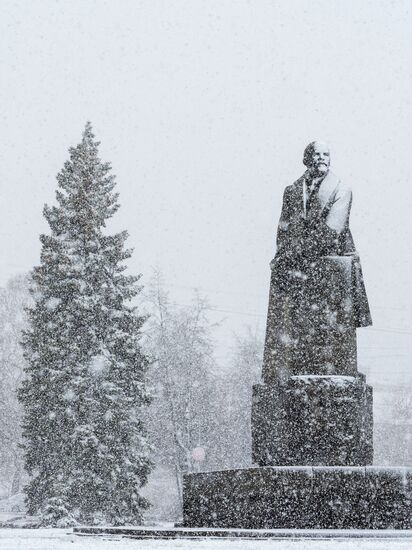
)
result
[(64, 539)]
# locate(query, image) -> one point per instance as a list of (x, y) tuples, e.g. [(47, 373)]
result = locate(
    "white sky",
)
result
[(204, 108)]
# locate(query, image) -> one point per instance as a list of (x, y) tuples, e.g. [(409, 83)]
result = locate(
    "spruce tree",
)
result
[(85, 445)]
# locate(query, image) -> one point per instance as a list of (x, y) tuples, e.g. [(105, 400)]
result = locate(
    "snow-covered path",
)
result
[(63, 539)]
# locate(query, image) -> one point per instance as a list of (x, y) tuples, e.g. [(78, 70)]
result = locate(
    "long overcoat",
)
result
[(309, 232)]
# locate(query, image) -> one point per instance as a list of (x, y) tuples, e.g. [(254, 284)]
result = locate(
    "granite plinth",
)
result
[(300, 498), (313, 420)]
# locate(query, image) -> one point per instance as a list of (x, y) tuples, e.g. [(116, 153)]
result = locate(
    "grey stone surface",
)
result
[(300, 498), (313, 420)]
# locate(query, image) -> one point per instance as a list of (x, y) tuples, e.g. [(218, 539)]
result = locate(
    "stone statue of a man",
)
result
[(317, 295)]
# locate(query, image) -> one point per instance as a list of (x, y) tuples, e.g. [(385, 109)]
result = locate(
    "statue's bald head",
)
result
[(316, 158)]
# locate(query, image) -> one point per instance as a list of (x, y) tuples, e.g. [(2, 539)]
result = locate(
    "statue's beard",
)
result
[(320, 169)]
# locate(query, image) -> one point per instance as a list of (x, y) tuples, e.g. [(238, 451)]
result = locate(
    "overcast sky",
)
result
[(204, 109)]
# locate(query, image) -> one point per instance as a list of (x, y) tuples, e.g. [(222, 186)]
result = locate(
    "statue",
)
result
[(312, 415), (317, 295)]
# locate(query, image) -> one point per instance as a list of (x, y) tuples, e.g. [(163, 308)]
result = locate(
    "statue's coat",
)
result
[(310, 241)]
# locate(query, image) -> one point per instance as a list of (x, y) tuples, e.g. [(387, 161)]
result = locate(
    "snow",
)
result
[(52, 303), (332, 378), (98, 364), (69, 395), (64, 539)]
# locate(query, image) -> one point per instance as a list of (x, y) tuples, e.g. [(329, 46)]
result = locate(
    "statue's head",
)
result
[(317, 158)]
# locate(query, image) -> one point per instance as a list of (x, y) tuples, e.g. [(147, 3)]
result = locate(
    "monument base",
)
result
[(313, 420), (302, 497)]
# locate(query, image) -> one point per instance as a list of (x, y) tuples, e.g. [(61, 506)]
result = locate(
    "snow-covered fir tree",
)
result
[(85, 444)]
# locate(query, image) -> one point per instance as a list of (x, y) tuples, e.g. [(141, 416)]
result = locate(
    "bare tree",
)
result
[(236, 386), (13, 300), (393, 436), (181, 417)]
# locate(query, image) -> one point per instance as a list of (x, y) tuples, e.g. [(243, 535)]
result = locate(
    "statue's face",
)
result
[(320, 159)]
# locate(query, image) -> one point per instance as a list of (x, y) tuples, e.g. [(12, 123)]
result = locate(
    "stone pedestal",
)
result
[(311, 438), (300, 498), (313, 420)]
